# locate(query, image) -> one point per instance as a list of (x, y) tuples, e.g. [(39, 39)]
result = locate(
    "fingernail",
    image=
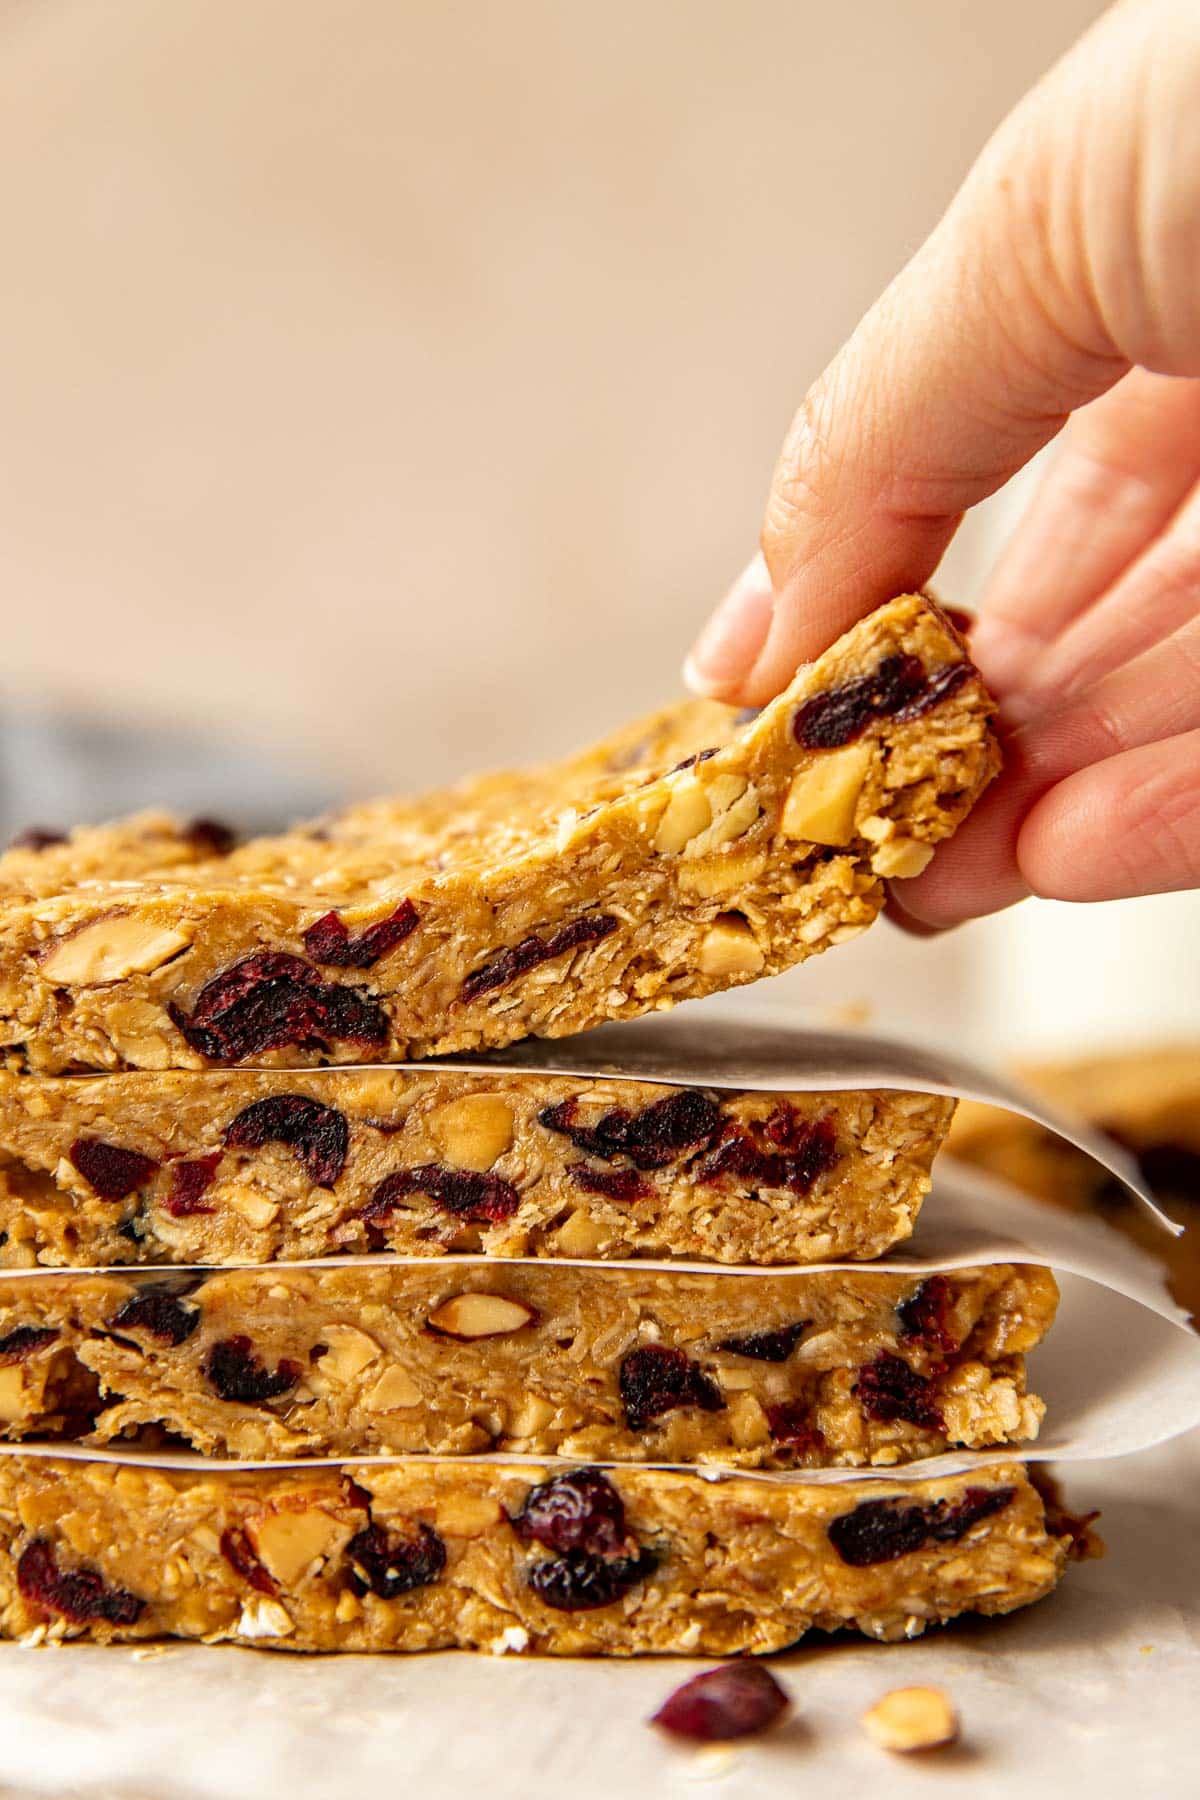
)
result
[(728, 647)]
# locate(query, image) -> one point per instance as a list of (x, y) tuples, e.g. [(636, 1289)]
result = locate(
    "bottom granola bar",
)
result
[(438, 1555)]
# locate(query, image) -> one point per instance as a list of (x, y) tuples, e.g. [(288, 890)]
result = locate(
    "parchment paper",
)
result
[(755, 1052)]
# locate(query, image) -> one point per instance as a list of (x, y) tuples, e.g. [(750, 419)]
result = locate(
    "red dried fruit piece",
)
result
[(732, 1702), (883, 1530), (190, 1181), (158, 1311), (580, 1510), (212, 835), (37, 837), (508, 964), (888, 1389), (235, 1548), (328, 940), (656, 1379), (270, 1000), (651, 1138), (17, 1345), (236, 1374), (110, 1171), (318, 1134), (614, 1184), (79, 1595), (926, 1314), (900, 688), (790, 1424), (581, 1583), (385, 1563), (767, 1346), (798, 1151), (484, 1199)]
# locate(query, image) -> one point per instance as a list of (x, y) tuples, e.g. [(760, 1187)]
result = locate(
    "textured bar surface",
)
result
[(624, 1364), (253, 1166), (690, 853), (484, 1557)]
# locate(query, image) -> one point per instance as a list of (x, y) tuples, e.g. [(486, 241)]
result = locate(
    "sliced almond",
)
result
[(349, 1352), (902, 857), (734, 806), (580, 1235), (821, 801), (729, 947), (473, 1131), (912, 1718), (393, 1392), (286, 1543), (14, 1403), (255, 1208), (471, 1316), (688, 814), (722, 874), (533, 1414), (111, 949)]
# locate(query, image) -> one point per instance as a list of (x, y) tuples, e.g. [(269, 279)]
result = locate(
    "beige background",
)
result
[(396, 385)]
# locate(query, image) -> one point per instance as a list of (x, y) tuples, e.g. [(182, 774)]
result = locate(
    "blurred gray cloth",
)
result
[(59, 769)]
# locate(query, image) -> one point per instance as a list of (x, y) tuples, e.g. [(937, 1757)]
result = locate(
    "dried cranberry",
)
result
[(581, 1510), (37, 837), (656, 1380), (926, 1314), (899, 688), (580, 1583), (270, 1000), (212, 835), (733, 1702), (484, 1199), (232, 1368), (793, 1154), (235, 1548), (614, 1184), (328, 940), (689, 762), (889, 1389), (79, 1595), (190, 1181), (508, 964), (319, 1134), (110, 1171), (389, 1565), (790, 1424), (952, 1519), (767, 1346), (16, 1345), (879, 1531), (651, 1138), (158, 1311), (938, 687), (883, 1530)]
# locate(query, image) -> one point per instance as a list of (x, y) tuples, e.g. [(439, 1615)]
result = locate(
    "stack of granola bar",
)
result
[(513, 1352)]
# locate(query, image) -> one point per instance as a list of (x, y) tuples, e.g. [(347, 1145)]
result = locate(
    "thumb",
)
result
[(969, 363)]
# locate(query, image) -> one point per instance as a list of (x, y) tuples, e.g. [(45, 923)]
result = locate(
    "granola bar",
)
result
[(1148, 1100), (694, 852), (440, 1555), (254, 1166), (627, 1364)]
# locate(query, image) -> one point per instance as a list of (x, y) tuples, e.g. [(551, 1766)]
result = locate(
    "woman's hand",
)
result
[(1062, 288)]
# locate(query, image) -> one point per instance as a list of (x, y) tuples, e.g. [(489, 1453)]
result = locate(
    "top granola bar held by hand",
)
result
[(691, 853)]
